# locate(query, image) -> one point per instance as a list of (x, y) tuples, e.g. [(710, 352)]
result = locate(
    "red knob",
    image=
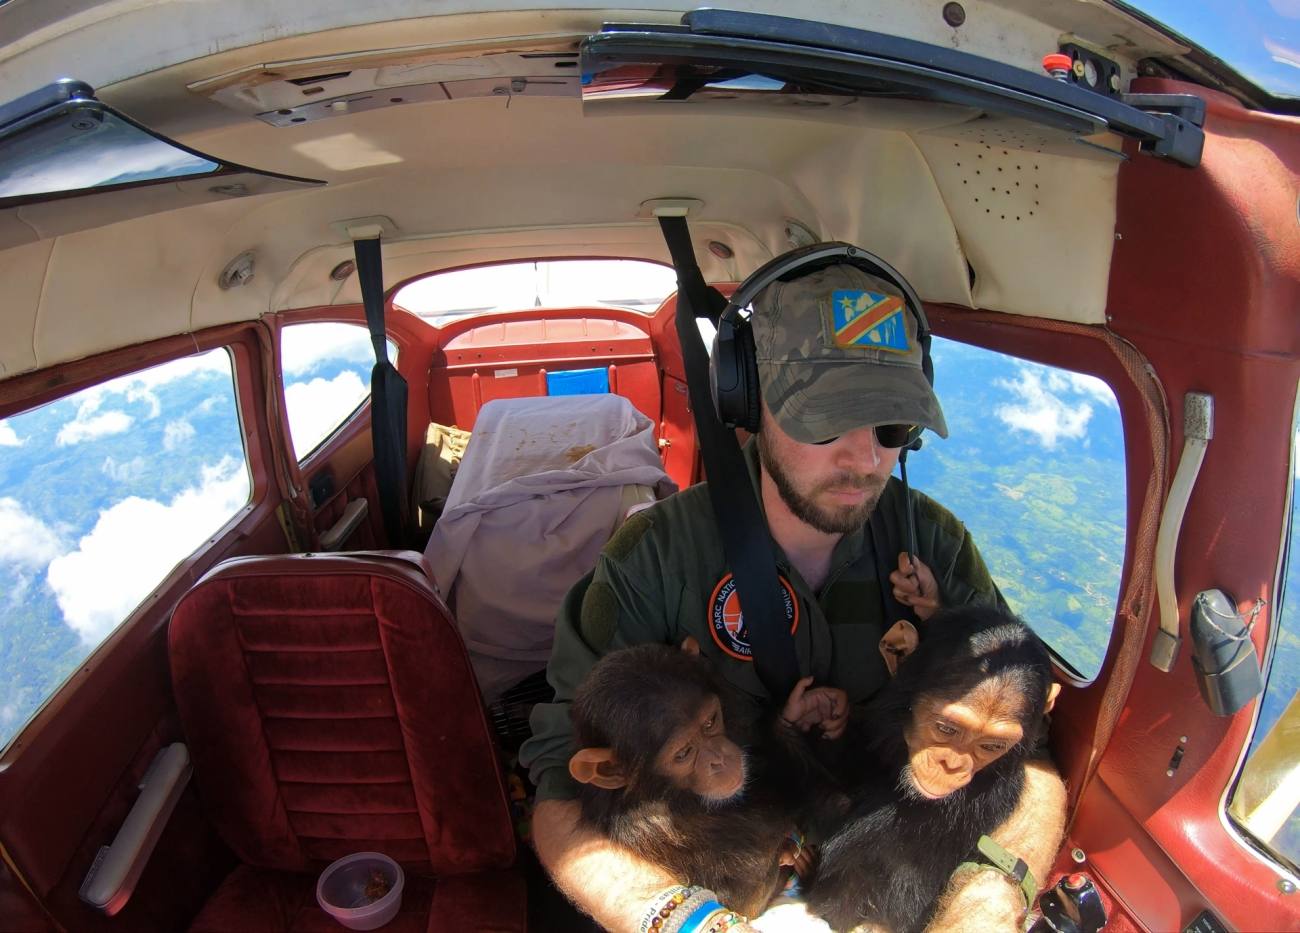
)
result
[(1076, 881), (1057, 64)]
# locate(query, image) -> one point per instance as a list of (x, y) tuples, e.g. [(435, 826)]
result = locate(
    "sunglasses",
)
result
[(887, 435)]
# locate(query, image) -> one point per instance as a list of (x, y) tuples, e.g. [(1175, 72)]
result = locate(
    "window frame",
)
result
[(1058, 344), (1287, 561), (137, 632)]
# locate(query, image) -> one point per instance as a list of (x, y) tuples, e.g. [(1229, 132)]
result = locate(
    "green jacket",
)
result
[(663, 577)]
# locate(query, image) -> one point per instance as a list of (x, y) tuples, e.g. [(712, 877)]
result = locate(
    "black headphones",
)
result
[(733, 366)]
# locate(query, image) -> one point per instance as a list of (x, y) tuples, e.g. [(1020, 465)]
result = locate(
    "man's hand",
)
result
[(827, 707), (606, 881), (915, 586)]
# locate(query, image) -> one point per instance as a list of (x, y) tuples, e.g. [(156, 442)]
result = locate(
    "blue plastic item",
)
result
[(578, 382)]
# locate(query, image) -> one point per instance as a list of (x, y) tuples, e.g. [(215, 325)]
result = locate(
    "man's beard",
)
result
[(828, 520)]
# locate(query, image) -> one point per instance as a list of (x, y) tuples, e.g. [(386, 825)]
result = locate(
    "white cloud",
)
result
[(87, 427), (177, 434), (124, 471), (8, 437), (1079, 384), (303, 346), (1041, 413), (317, 407), (138, 393), (136, 543), (24, 538)]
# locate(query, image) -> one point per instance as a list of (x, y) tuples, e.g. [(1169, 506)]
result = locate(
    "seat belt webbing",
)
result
[(387, 397), (746, 541)]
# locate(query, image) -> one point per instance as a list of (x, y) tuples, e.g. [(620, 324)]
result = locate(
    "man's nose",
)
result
[(861, 445)]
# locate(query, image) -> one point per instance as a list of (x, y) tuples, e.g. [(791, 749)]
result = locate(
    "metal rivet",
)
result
[(1169, 773), (1077, 854), (954, 14), (1286, 885), (1182, 739)]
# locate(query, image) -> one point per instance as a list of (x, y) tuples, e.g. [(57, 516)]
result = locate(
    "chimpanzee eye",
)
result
[(991, 747), (712, 721), (683, 754), (945, 729)]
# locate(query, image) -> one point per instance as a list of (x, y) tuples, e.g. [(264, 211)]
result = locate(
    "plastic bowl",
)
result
[(341, 890)]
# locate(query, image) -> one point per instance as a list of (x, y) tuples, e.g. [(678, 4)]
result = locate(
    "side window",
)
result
[(326, 378), (1266, 801), (102, 493), (1034, 466)]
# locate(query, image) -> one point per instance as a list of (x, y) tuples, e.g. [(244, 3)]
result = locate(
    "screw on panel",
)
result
[(954, 14), (1077, 854), (1286, 885)]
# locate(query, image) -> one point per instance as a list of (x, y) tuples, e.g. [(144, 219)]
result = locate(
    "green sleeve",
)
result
[(620, 603), (958, 568)]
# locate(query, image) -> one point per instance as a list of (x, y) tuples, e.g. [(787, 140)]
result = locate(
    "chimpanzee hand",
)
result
[(915, 586), (827, 707), (797, 855)]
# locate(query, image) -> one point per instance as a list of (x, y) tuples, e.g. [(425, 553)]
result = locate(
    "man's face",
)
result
[(832, 487)]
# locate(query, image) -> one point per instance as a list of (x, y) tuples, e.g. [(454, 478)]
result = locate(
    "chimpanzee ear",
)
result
[(597, 767), (1053, 691), (691, 646), (900, 641)]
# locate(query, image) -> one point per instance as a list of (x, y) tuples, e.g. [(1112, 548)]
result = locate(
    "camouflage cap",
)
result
[(837, 350)]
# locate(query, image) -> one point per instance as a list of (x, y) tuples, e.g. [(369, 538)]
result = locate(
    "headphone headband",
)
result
[(824, 254)]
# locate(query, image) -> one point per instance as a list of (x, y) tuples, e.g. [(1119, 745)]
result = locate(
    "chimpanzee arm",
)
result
[(989, 900)]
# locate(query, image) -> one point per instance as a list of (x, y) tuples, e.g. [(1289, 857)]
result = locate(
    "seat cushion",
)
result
[(330, 708), (254, 900)]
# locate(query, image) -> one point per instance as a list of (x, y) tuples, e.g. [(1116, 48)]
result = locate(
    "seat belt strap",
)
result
[(387, 397), (746, 541)]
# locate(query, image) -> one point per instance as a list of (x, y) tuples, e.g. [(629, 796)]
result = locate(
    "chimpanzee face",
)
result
[(698, 757), (948, 741)]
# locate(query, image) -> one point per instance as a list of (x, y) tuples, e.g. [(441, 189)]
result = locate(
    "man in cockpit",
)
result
[(821, 464)]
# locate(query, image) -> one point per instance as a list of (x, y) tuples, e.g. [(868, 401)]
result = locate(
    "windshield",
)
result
[(1259, 39)]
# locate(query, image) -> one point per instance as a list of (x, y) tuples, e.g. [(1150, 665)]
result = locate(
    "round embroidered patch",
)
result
[(727, 623)]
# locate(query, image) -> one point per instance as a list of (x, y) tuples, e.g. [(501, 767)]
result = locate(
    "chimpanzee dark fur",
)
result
[(632, 701), (892, 858)]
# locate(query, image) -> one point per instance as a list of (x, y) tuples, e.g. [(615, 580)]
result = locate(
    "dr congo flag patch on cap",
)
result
[(727, 623), (868, 321)]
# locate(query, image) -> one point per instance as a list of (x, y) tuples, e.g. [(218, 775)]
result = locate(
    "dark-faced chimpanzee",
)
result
[(940, 761), (663, 773)]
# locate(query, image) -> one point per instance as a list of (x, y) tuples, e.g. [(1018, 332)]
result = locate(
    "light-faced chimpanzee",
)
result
[(941, 761), (663, 773)]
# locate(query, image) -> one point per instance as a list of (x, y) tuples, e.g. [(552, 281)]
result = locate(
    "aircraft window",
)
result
[(326, 368), (102, 493), (1265, 801), (556, 283), (1034, 466)]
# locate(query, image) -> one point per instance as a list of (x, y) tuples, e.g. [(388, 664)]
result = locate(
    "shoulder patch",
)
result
[(628, 536), (598, 619)]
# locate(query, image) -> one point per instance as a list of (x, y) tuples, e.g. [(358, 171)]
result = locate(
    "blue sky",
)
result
[(1258, 38)]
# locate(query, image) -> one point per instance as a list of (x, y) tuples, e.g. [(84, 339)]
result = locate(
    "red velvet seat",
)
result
[(330, 708)]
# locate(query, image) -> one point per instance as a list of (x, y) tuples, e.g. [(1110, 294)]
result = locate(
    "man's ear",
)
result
[(690, 645), (1053, 691), (597, 767), (900, 641)]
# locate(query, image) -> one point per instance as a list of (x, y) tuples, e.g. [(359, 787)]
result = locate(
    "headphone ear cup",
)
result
[(748, 362), (733, 375)]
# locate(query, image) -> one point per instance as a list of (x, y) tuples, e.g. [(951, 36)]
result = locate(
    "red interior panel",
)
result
[(509, 357)]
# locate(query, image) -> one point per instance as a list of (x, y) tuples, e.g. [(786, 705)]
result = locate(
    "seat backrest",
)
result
[(330, 708), (543, 484)]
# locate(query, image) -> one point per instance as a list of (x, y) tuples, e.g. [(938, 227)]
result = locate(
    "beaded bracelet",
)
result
[(663, 904)]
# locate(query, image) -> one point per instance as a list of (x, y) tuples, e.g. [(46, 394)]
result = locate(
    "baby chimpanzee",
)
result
[(945, 749), (663, 775)]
